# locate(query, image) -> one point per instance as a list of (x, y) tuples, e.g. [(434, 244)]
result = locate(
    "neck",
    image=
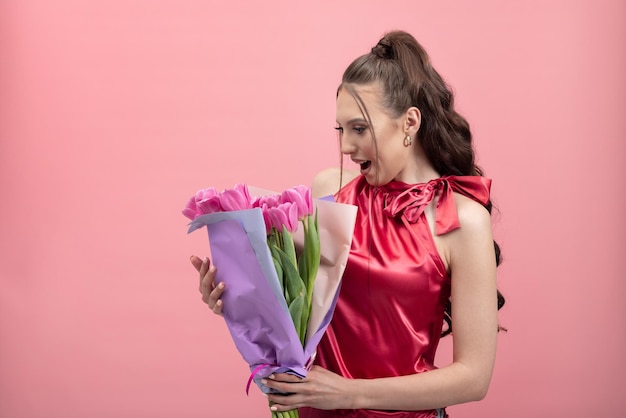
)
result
[(418, 169)]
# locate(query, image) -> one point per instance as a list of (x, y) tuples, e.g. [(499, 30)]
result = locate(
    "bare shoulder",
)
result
[(329, 181), (470, 248), (473, 216), (474, 233)]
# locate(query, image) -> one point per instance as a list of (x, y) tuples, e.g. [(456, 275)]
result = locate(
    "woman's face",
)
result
[(392, 159)]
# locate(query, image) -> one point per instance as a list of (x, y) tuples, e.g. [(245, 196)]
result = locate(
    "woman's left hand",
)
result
[(321, 389)]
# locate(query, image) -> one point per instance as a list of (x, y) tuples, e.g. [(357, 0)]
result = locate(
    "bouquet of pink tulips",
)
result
[(279, 297)]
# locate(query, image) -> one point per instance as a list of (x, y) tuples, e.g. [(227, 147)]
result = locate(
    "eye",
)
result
[(359, 129)]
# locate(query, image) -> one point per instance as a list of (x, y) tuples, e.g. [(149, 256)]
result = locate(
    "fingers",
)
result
[(211, 290), (214, 302), (206, 278), (286, 385), (196, 262), (285, 377), (282, 403), (284, 411), (287, 398)]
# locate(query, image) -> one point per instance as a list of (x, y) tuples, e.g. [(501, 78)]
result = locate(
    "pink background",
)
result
[(112, 113)]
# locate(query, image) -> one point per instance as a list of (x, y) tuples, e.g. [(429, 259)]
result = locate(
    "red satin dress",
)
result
[(389, 314)]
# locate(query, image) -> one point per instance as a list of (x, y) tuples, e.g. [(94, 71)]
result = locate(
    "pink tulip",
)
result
[(285, 209), (204, 201), (271, 201), (191, 210), (300, 196), (266, 218), (286, 214), (237, 198), (277, 218), (207, 201), (292, 215)]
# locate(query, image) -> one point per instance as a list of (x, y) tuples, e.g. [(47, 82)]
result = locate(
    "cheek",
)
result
[(366, 145), (393, 156), (389, 146), (371, 149)]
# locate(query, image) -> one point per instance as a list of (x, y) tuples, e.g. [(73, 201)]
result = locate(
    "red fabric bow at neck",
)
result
[(411, 202)]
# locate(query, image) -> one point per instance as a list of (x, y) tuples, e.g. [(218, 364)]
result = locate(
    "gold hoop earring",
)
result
[(407, 140)]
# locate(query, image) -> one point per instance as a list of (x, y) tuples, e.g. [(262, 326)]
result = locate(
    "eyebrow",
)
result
[(354, 120)]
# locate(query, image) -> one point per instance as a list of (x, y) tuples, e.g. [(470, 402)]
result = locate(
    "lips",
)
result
[(363, 164)]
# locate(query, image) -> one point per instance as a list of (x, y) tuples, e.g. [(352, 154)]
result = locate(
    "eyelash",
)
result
[(358, 129)]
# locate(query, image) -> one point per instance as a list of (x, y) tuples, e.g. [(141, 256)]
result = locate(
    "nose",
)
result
[(346, 145)]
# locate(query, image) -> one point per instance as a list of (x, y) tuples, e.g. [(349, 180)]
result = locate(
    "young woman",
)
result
[(422, 249)]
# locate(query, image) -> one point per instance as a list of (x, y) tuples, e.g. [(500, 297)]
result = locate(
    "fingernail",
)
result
[(221, 285), (271, 376), (264, 381), (206, 260), (212, 269), (273, 408)]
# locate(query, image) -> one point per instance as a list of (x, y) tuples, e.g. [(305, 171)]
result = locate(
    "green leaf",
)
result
[(296, 309), (288, 245), (306, 313), (303, 270), (293, 284), (312, 254), (279, 273), (277, 264)]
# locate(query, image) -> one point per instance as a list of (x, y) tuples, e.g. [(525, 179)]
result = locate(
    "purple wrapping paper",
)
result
[(254, 309)]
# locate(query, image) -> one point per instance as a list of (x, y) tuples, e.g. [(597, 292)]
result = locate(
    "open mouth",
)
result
[(365, 165)]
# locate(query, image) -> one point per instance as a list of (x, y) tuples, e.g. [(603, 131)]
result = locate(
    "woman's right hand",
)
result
[(211, 290)]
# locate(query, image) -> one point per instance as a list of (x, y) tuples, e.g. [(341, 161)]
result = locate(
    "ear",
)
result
[(412, 120)]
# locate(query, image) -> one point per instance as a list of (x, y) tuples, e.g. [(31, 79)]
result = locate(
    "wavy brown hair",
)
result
[(402, 68)]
